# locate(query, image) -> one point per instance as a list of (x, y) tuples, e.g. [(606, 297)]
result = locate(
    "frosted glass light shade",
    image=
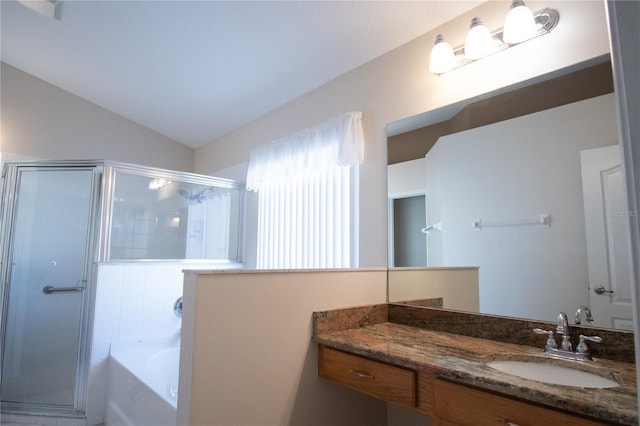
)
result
[(479, 42), (519, 24), (442, 58)]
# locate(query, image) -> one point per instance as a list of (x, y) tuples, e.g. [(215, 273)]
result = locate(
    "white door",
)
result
[(607, 230)]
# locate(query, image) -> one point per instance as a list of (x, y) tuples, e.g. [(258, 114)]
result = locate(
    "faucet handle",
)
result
[(582, 346), (551, 343)]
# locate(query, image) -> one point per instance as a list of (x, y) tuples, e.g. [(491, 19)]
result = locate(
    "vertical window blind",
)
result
[(307, 194)]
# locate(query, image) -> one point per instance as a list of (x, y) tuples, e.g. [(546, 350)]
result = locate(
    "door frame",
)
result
[(623, 33), (390, 219)]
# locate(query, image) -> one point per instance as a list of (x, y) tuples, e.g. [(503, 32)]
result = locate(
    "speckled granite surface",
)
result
[(365, 331), (344, 319), (436, 302), (616, 345)]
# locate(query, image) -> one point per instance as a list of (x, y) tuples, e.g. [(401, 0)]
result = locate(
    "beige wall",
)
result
[(458, 287), (398, 85), (405, 178), (42, 121), (248, 335)]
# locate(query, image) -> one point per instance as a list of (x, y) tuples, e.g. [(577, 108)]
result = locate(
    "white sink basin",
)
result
[(554, 374)]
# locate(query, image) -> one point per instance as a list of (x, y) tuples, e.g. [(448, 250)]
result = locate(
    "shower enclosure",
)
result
[(59, 219)]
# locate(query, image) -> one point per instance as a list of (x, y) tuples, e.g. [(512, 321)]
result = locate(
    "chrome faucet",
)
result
[(562, 328), (566, 348), (587, 314)]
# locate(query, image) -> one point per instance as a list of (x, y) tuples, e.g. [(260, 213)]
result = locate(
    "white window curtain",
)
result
[(307, 195)]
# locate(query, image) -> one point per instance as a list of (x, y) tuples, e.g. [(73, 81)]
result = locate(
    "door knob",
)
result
[(601, 290)]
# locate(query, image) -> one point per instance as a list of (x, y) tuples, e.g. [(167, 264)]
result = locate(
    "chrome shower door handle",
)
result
[(48, 289)]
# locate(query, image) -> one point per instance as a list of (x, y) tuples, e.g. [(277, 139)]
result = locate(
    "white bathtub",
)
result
[(142, 385)]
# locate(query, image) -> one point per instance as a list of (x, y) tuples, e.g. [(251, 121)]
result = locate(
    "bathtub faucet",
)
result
[(177, 307)]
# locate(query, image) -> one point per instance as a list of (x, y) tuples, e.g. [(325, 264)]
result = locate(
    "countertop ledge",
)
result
[(463, 359)]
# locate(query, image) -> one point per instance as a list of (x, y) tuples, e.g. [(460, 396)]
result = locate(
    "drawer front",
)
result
[(377, 379), (461, 405)]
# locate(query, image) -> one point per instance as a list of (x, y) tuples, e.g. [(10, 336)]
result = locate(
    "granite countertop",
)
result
[(463, 360)]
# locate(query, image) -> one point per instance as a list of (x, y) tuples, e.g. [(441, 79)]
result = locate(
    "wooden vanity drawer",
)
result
[(374, 378), (461, 405)]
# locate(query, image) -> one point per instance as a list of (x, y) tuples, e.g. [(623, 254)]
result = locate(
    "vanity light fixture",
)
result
[(520, 24), (442, 58), (480, 42)]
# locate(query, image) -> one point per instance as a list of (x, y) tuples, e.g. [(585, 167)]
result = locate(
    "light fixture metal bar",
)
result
[(546, 20)]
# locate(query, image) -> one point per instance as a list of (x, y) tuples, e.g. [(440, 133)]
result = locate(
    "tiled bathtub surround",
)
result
[(134, 302)]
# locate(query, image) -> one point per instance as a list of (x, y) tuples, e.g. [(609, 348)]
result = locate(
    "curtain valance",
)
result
[(338, 141)]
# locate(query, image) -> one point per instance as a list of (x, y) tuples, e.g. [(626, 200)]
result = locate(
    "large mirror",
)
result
[(526, 186)]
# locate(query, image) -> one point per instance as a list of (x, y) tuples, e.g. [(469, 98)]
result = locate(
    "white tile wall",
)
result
[(134, 302)]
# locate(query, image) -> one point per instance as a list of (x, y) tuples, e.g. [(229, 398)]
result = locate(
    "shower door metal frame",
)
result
[(9, 186)]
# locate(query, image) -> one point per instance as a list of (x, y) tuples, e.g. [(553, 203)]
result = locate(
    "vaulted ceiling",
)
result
[(195, 70)]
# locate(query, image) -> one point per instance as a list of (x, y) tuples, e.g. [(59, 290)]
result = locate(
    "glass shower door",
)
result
[(47, 262)]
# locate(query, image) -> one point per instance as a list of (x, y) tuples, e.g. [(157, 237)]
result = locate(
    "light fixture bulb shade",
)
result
[(442, 58), (519, 25), (479, 42)]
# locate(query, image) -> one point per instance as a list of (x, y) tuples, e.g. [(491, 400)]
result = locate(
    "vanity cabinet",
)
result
[(384, 381), (462, 405), (398, 385), (448, 403)]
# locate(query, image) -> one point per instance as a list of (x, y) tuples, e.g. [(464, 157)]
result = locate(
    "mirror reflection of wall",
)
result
[(516, 170)]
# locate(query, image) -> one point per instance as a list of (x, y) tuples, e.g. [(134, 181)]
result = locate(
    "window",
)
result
[(307, 192)]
